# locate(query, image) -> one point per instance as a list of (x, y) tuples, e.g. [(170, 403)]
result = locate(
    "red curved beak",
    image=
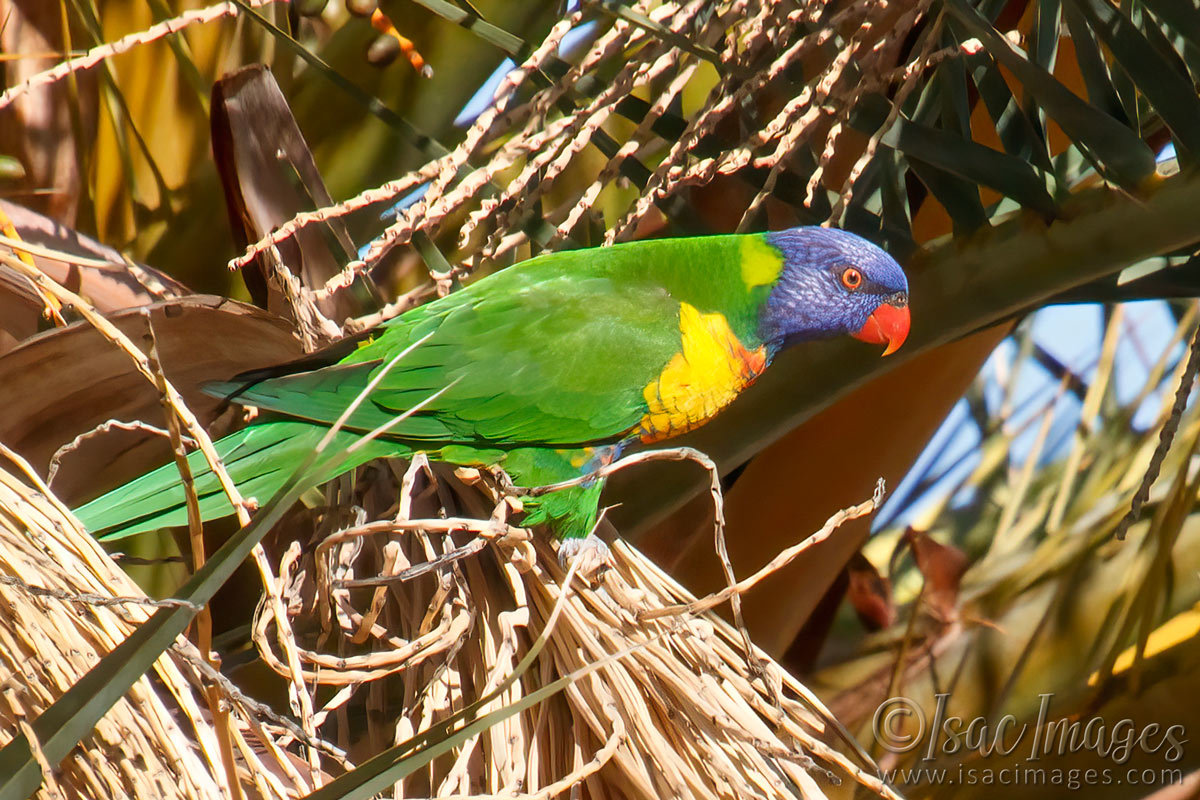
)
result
[(887, 325)]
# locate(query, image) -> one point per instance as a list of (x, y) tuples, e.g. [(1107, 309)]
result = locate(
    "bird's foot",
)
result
[(592, 550)]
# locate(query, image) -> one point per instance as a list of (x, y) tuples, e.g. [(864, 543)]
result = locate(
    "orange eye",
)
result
[(852, 279)]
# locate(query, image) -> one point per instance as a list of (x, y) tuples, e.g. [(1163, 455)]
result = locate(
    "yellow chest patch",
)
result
[(710, 370)]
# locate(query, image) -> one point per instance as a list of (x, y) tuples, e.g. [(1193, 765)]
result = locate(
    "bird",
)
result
[(547, 369)]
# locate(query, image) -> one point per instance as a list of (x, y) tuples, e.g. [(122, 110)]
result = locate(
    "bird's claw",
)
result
[(592, 549)]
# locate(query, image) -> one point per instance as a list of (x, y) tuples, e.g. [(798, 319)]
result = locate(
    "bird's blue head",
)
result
[(834, 283)]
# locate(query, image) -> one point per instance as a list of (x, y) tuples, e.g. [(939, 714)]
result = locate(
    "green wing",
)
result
[(525, 357), (534, 361)]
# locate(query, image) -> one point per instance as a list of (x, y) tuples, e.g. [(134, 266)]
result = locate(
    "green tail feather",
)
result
[(260, 459)]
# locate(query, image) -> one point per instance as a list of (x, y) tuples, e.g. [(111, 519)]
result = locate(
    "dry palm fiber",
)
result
[(677, 714), (409, 619), (57, 587)]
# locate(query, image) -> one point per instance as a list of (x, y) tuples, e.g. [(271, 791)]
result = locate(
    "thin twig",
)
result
[(49, 783), (778, 562), (1165, 436), (261, 710), (104, 427), (84, 598), (99, 53), (49, 253), (203, 629)]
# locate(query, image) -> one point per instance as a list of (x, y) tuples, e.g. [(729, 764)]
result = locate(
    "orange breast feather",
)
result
[(710, 370)]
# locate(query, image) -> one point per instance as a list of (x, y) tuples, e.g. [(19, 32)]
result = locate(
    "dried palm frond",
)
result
[(412, 625), (787, 103), (416, 615), (67, 604)]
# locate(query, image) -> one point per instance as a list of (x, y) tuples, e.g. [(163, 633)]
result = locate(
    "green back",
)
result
[(554, 351)]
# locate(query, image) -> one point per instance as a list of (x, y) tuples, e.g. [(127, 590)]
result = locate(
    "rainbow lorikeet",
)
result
[(547, 368)]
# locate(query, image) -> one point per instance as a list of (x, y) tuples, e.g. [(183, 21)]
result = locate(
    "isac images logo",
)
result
[(1029, 750)]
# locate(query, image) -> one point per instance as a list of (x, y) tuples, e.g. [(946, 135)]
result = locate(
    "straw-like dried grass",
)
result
[(680, 713), (66, 604)]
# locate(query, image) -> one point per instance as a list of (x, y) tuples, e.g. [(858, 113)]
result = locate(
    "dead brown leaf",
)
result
[(943, 567), (65, 382), (870, 594), (117, 286)]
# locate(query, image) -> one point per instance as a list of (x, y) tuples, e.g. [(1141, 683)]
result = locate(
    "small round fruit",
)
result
[(383, 51), (362, 8)]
